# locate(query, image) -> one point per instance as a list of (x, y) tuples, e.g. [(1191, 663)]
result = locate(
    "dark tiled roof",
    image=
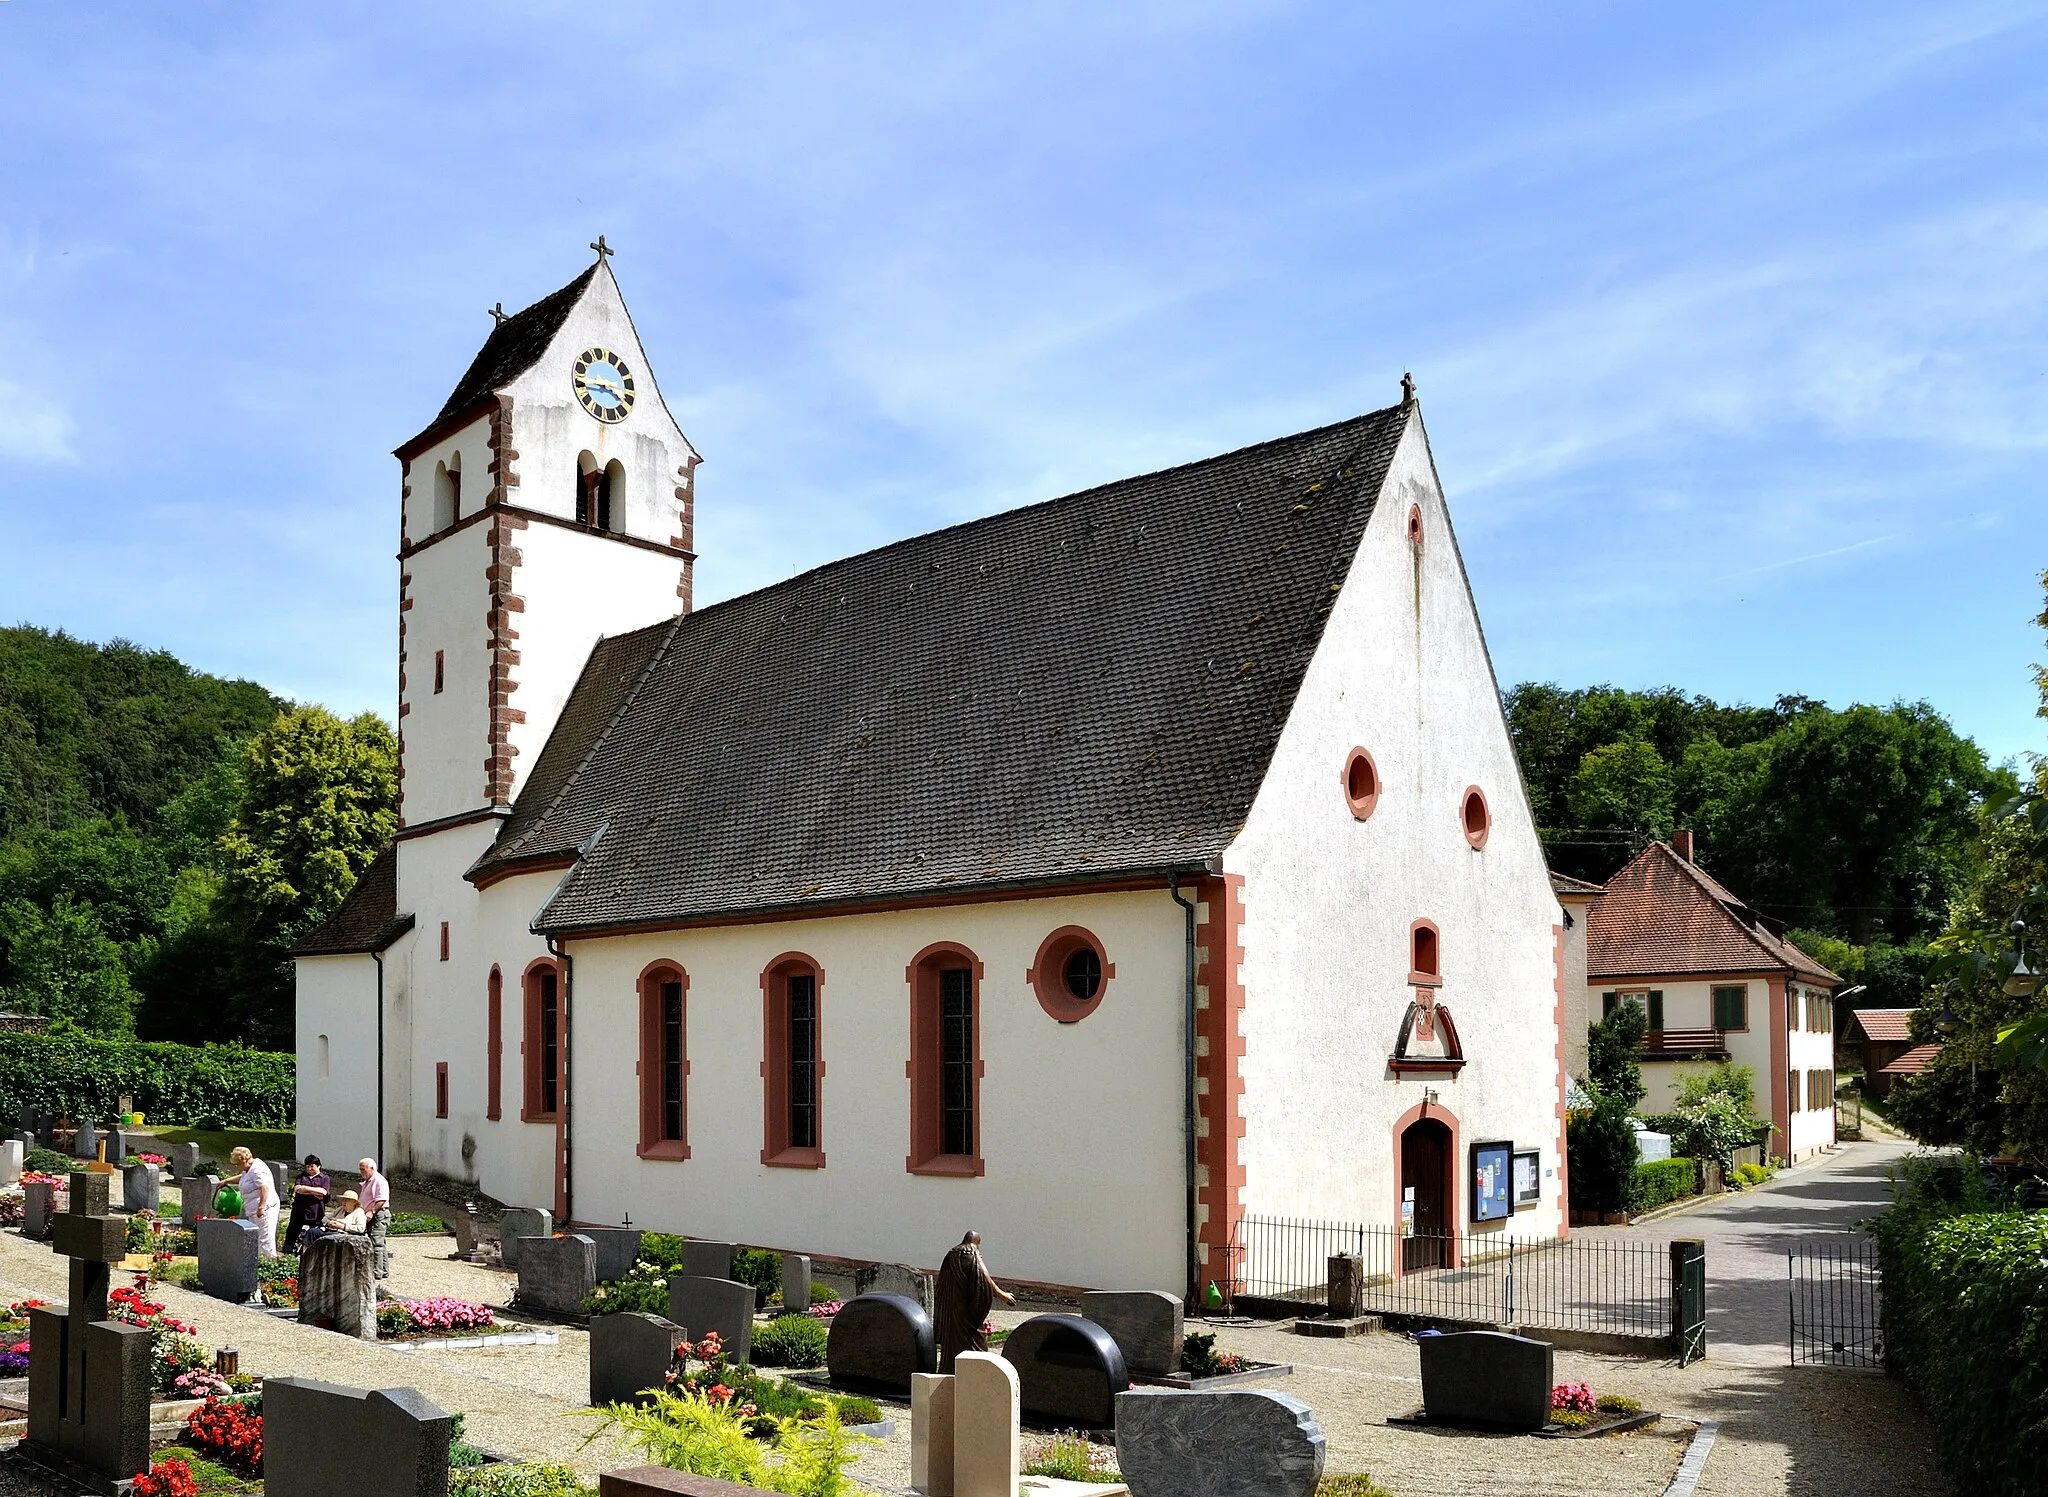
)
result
[(515, 346), (1084, 688), (1662, 915), (1564, 883), (368, 919), (1885, 1026)]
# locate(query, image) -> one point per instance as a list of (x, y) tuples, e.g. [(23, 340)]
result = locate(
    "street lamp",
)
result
[(2022, 981), (1946, 1023)]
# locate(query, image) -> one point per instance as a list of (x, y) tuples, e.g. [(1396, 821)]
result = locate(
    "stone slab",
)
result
[(464, 1223), (705, 1259), (324, 1440), (618, 1248), (931, 1433), (90, 1194), (912, 1283), (517, 1223), (629, 1353), (1144, 1323), (195, 1198), (227, 1258), (555, 1273), (1346, 1286), (987, 1449), (880, 1341), (38, 1207), (1355, 1325), (1487, 1380), (796, 1283), (336, 1289), (117, 1384), (85, 1143), (722, 1305), (1069, 1369), (141, 1189), (1237, 1443), (97, 1239), (10, 1161)]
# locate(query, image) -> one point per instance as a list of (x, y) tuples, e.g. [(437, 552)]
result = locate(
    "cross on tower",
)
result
[(603, 249), (88, 1377), (1407, 389), (499, 315)]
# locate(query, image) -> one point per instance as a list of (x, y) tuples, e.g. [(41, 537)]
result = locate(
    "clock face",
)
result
[(604, 384)]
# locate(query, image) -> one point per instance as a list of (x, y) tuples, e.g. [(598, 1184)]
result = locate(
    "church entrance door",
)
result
[(1425, 1188)]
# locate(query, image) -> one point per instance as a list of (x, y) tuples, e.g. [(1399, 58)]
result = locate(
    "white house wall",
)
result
[(1329, 900), (1809, 1050), (446, 733), (337, 1069)]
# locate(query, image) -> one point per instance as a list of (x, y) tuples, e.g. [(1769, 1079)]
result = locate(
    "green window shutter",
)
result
[(1607, 1002), (1731, 1008), (1657, 1008)]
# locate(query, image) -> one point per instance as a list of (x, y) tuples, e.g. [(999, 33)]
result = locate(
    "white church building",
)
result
[(1102, 875)]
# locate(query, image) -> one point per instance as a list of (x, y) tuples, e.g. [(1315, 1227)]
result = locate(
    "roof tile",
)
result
[(1663, 915)]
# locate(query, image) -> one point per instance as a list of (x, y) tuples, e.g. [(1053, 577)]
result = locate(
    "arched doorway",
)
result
[(1426, 1147)]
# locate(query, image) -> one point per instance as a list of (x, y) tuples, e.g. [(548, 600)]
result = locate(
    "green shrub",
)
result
[(49, 1162), (1601, 1154), (759, 1267), (1070, 1455), (515, 1481), (1966, 1322), (1617, 1403), (855, 1411), (1570, 1418), (644, 1288), (822, 1293), (1662, 1181), (75, 1075), (1751, 1174), (791, 1341), (662, 1249), (414, 1224), (703, 1438)]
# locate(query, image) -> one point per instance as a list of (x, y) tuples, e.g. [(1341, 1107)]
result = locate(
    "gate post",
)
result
[(1689, 1299)]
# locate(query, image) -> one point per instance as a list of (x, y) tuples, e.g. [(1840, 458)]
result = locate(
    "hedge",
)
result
[(1965, 1295), (77, 1076), (1662, 1181)]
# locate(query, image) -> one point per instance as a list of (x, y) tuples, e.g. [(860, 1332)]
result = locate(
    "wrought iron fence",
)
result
[(1832, 1293), (1609, 1285)]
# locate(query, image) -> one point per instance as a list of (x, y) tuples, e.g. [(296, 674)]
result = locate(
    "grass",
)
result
[(210, 1477), (1070, 1456), (264, 1143), (1360, 1485)]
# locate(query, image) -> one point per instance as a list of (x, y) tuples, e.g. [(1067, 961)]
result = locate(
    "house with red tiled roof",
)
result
[(1883, 1036), (1718, 983)]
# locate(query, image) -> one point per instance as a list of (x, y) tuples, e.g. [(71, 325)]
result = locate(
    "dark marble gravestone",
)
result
[(705, 1259), (555, 1273), (722, 1305), (1232, 1443), (1069, 1371), (195, 1198), (88, 1377), (1144, 1323), (227, 1258), (629, 1353), (85, 1143), (617, 1248), (140, 1189), (1486, 1380), (184, 1161), (322, 1440), (878, 1341)]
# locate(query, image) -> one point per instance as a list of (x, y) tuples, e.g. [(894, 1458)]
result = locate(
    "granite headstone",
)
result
[(336, 1290), (85, 1143), (184, 1161), (912, 1283), (796, 1283), (1144, 1323), (10, 1161), (880, 1341), (629, 1353), (705, 1259), (227, 1258), (617, 1250), (38, 1205), (195, 1197), (1229, 1443), (141, 1189), (1487, 1380), (396, 1441), (516, 1224), (1069, 1371), (464, 1223), (722, 1305), (555, 1273)]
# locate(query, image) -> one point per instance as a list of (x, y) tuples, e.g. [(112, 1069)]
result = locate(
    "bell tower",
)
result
[(549, 504)]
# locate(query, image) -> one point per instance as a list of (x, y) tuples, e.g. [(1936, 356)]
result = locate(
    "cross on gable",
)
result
[(603, 250)]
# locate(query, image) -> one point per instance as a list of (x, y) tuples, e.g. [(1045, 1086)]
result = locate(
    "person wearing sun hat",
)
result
[(352, 1220)]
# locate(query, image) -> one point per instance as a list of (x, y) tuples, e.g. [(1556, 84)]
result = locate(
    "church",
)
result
[(1103, 875)]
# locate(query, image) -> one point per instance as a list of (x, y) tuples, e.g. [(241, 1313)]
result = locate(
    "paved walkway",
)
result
[(1749, 1232)]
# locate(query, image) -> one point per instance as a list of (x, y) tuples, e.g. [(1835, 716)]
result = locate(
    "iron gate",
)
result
[(1832, 1293)]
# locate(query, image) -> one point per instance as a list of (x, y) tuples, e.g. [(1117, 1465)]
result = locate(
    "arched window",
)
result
[(1425, 961), (1361, 783), (600, 492), (494, 1046), (664, 1062), (543, 1047), (611, 497), (945, 1061), (448, 491), (1477, 819), (793, 1064), (1415, 526)]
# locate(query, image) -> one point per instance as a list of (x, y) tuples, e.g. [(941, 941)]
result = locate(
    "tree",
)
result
[(1614, 1049), (1622, 786), (66, 967)]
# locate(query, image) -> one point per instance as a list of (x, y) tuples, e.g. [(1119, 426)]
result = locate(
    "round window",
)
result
[(1071, 974), (1361, 783), (1478, 820), (1083, 974)]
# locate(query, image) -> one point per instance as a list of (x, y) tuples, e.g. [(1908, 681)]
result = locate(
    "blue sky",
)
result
[(1728, 322)]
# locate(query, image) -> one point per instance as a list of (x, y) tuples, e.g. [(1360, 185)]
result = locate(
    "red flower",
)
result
[(167, 1478)]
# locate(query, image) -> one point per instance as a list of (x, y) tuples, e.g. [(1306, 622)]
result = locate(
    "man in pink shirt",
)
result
[(374, 1195)]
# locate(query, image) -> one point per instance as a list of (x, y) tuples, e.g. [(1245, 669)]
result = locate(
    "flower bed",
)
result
[(413, 1319), (229, 1434), (1575, 1411), (763, 1404)]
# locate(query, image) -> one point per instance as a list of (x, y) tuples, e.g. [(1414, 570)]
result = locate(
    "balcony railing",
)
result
[(1671, 1042)]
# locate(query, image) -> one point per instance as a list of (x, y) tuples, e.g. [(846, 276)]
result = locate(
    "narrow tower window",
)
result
[(440, 670), (664, 1063), (792, 1066), (1425, 963)]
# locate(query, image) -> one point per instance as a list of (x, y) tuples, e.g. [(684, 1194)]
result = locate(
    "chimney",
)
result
[(1681, 843)]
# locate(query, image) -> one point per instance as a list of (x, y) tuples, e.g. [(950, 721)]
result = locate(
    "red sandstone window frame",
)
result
[(1475, 817), (654, 1142), (494, 1046), (1415, 526), (923, 1068), (440, 1088), (533, 1098), (1425, 955), (776, 1072), (1048, 974), (1361, 782)]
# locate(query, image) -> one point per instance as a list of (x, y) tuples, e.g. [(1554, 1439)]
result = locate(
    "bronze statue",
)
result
[(964, 1294)]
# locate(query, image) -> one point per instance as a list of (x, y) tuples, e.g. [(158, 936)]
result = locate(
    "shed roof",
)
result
[(368, 919)]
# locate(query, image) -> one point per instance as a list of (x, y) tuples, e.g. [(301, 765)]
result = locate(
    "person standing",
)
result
[(965, 1293), (259, 1200), (375, 1195), (309, 1202)]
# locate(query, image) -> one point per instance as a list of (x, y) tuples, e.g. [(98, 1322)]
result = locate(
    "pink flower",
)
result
[(1577, 1397)]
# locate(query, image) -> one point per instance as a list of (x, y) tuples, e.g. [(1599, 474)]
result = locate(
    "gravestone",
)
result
[(141, 1189), (323, 1440), (796, 1283), (27, 1140), (912, 1283), (931, 1433), (38, 1205), (1069, 1370), (227, 1258), (465, 1232), (116, 1140), (89, 1377), (1230, 1443), (708, 1260), (184, 1161), (722, 1305), (880, 1341), (555, 1273), (195, 1198), (516, 1224), (986, 1447), (660, 1481), (336, 1290), (629, 1353), (1347, 1286), (282, 1172), (1144, 1323), (85, 1143), (617, 1249), (10, 1161), (1486, 1380)]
